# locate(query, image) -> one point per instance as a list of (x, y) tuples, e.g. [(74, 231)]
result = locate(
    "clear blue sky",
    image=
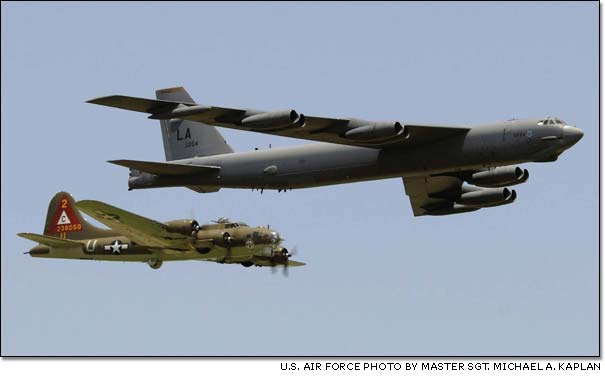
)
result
[(514, 280)]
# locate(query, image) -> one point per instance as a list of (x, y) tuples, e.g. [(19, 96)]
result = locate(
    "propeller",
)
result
[(227, 239), (294, 252), (284, 255), (196, 225), (195, 228)]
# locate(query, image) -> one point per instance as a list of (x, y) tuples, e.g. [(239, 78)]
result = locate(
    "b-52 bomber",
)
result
[(131, 237), (445, 169)]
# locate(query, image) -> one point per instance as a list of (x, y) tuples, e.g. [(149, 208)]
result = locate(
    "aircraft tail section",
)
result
[(186, 139), (64, 221), (50, 241)]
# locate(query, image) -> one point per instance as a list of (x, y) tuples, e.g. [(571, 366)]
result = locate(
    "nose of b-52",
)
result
[(571, 135)]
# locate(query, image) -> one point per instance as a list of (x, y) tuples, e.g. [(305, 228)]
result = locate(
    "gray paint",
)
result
[(185, 139), (318, 164), (358, 150)]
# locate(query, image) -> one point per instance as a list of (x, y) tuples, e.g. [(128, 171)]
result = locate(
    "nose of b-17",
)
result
[(571, 135)]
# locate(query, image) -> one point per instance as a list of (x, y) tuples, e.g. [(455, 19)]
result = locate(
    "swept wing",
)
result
[(289, 123)]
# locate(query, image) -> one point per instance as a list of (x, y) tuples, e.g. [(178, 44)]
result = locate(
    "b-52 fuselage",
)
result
[(435, 161)]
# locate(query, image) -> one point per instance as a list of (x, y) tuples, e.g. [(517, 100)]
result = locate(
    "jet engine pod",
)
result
[(182, 111), (487, 197), (183, 226), (377, 131), (274, 120), (501, 176)]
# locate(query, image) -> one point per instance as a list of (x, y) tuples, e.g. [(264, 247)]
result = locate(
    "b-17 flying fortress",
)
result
[(132, 237)]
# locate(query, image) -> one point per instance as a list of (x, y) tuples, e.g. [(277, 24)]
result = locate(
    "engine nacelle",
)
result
[(183, 226), (274, 120), (487, 197), (500, 176), (182, 111), (377, 131)]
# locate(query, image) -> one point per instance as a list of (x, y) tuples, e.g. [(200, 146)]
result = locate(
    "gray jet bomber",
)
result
[(445, 169)]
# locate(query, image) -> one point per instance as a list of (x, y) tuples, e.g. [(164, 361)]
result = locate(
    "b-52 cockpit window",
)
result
[(551, 121)]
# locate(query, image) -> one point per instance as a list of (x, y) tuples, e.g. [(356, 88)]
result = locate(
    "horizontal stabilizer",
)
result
[(137, 104), (167, 169), (50, 241)]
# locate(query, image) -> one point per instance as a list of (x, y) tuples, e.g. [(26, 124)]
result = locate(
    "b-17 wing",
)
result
[(290, 123), (269, 263), (141, 230)]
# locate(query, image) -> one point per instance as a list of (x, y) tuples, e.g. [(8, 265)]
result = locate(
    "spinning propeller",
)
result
[(283, 257)]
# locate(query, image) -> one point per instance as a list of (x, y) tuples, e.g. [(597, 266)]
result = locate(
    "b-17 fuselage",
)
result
[(133, 238)]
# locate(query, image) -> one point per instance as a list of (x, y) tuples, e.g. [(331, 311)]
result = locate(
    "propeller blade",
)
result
[(286, 269)]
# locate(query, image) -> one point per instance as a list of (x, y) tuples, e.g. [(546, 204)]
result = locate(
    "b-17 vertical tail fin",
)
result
[(64, 220)]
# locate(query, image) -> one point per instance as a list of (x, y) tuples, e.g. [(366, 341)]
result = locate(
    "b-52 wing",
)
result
[(290, 123), (141, 230), (447, 194)]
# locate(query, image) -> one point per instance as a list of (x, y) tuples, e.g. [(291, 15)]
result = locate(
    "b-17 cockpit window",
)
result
[(235, 225)]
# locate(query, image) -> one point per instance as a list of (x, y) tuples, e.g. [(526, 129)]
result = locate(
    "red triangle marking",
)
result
[(64, 205)]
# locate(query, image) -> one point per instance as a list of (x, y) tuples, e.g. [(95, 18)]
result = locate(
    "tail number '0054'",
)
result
[(69, 227)]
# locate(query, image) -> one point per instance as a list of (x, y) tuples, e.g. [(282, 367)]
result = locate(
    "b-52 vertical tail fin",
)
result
[(186, 139)]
